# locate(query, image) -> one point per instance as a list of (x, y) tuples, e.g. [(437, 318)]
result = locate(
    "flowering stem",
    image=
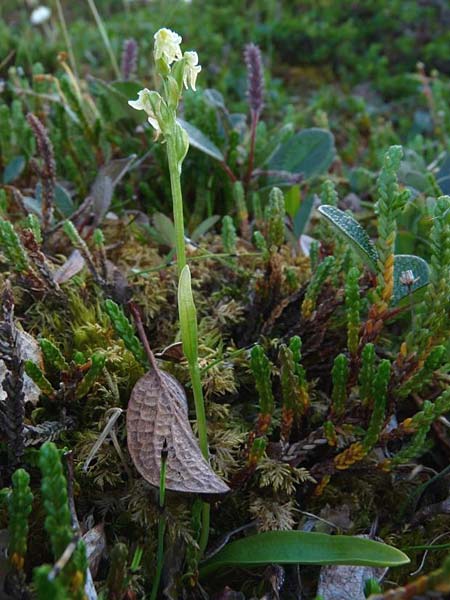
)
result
[(177, 199), (63, 24), (194, 369), (161, 523), (105, 38), (203, 442), (199, 407)]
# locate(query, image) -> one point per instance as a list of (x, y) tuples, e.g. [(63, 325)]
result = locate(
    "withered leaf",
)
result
[(73, 265), (95, 542), (27, 349), (157, 411), (103, 187)]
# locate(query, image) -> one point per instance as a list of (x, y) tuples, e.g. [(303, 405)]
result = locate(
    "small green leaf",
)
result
[(353, 231), (420, 273), (292, 199), (165, 229), (13, 169), (63, 201), (199, 140), (306, 548), (309, 152), (303, 215), (204, 227)]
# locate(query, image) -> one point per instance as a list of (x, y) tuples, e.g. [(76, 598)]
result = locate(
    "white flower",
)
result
[(40, 15), (144, 103), (167, 45), (191, 69)]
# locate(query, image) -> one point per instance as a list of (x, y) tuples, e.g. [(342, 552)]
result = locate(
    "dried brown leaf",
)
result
[(73, 265), (101, 193), (28, 349), (157, 411), (95, 542)]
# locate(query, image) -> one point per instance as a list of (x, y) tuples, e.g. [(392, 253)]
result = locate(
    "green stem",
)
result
[(203, 541), (177, 199), (161, 524), (105, 38), (199, 408), (203, 442), (159, 558), (67, 40), (178, 218)]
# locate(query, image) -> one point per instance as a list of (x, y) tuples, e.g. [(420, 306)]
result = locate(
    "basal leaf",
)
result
[(305, 548), (157, 413), (199, 140), (419, 270), (353, 231)]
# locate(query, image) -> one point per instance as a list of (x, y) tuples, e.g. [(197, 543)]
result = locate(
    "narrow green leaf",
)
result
[(204, 227), (353, 231), (403, 263), (188, 316), (306, 548), (199, 140)]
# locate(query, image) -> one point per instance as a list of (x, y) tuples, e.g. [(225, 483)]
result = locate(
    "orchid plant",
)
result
[(178, 70)]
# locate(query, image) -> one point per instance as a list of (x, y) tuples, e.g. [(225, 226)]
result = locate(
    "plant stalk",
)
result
[(104, 34), (161, 523), (177, 199), (194, 370), (67, 39)]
